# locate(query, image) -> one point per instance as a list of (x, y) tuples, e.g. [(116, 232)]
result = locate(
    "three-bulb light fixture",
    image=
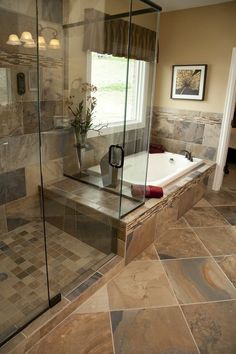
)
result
[(27, 40)]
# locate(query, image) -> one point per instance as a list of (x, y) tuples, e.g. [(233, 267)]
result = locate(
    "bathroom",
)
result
[(106, 177)]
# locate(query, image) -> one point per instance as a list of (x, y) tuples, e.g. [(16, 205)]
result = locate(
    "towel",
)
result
[(149, 191), (156, 149)]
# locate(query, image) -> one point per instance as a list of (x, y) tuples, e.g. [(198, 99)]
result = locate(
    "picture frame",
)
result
[(188, 82)]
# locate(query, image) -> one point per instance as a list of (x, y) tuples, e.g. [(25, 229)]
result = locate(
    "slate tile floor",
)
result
[(177, 297), (23, 291)]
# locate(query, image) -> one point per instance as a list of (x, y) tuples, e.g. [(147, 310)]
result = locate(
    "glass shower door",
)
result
[(23, 272), (79, 139), (144, 25), (114, 85)]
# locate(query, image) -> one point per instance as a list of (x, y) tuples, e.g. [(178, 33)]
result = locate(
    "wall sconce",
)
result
[(54, 43), (28, 42)]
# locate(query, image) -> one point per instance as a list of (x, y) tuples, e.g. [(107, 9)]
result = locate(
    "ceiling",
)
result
[(173, 5)]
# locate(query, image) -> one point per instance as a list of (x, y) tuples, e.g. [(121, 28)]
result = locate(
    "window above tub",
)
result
[(108, 74)]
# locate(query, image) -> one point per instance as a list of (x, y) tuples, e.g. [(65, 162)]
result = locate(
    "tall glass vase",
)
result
[(81, 146)]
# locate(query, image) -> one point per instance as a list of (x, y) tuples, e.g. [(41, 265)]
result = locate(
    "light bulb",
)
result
[(30, 44), (26, 37), (13, 39), (41, 43), (54, 43)]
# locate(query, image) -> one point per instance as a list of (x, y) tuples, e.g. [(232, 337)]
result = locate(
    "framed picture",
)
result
[(33, 81), (188, 82)]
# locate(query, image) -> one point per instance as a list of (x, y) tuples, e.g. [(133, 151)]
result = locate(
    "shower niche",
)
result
[(76, 82)]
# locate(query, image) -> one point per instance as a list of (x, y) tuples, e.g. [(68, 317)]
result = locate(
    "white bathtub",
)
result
[(162, 168)]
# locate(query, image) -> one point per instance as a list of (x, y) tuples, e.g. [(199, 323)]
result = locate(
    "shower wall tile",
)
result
[(48, 110), (56, 144), (3, 198), (23, 151), (196, 131), (3, 220), (12, 186), (51, 170), (15, 185), (11, 119), (3, 155)]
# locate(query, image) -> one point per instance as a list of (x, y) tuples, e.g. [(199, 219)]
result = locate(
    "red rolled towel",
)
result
[(156, 149), (149, 191)]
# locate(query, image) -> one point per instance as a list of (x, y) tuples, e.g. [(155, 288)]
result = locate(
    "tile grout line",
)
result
[(112, 337), (222, 216), (178, 304), (168, 306), (198, 238), (222, 271), (213, 259)]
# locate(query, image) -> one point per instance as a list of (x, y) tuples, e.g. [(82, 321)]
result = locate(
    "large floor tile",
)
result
[(198, 280), (229, 181), (151, 331), (79, 333), (180, 243), (180, 224), (140, 284), (202, 203), (228, 264), (149, 253), (96, 303), (229, 213), (202, 216), (218, 240), (222, 197), (213, 326)]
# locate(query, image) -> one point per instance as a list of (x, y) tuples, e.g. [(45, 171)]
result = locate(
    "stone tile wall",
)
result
[(195, 131)]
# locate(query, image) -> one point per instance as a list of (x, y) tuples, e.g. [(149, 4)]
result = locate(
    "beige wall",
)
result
[(204, 35)]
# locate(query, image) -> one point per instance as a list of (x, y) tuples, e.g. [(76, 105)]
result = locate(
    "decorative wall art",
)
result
[(188, 82)]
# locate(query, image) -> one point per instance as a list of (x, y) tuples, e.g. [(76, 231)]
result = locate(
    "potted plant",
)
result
[(83, 114)]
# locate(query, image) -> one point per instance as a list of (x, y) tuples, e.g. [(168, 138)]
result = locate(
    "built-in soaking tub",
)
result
[(163, 168)]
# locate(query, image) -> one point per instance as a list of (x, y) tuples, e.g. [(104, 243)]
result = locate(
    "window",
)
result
[(5, 87), (108, 73)]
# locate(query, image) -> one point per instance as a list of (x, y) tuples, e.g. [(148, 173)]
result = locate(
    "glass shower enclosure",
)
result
[(76, 92)]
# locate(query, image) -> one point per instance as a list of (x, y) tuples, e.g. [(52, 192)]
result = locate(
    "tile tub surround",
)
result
[(149, 223), (179, 129), (138, 229)]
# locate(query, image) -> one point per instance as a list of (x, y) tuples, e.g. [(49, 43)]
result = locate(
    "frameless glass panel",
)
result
[(23, 281), (77, 132), (141, 77)]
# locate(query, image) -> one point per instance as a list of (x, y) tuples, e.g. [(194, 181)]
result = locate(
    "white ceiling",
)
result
[(172, 5)]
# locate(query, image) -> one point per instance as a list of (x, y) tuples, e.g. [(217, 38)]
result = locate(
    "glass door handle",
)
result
[(116, 156)]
